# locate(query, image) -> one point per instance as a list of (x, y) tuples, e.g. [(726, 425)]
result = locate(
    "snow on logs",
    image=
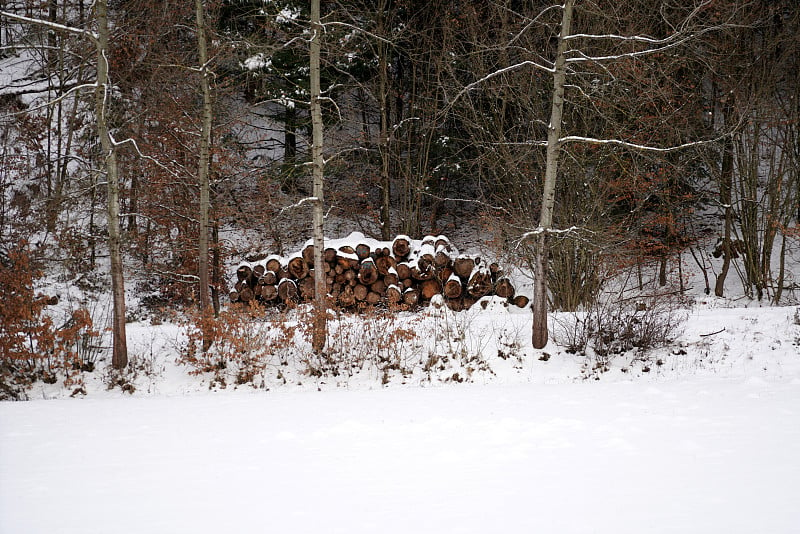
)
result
[(360, 272)]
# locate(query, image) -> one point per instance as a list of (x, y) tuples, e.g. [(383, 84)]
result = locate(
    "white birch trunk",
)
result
[(540, 334), (119, 357), (317, 161)]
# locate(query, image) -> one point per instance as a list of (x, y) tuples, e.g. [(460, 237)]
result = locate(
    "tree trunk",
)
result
[(203, 161), (119, 357), (317, 161), (383, 95), (540, 334), (725, 189)]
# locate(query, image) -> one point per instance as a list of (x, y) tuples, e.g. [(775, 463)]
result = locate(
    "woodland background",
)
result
[(436, 117)]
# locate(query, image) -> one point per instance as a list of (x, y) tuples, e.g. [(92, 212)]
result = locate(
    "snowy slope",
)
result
[(705, 442)]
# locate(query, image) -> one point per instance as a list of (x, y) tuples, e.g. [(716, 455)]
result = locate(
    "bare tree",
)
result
[(102, 95), (108, 144), (318, 169), (203, 163)]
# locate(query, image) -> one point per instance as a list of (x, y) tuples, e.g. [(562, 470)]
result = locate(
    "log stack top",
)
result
[(361, 271)]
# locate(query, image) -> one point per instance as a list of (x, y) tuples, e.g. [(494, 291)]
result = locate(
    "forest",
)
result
[(151, 147)]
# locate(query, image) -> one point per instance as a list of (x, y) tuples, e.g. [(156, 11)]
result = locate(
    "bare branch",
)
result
[(499, 72), (636, 146), (52, 25), (49, 102)]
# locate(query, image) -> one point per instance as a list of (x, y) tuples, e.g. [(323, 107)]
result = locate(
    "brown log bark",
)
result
[(368, 273), (362, 251), (503, 288), (330, 255), (360, 292), (429, 288), (308, 255), (468, 301), (274, 265), (520, 301), (480, 283), (403, 271), (287, 290), (496, 272), (379, 286), (347, 297), (270, 278), (463, 267), (456, 305), (401, 248), (393, 294), (246, 294), (453, 288), (384, 264), (421, 275), (298, 268), (442, 258), (346, 257), (269, 293), (426, 257), (373, 298), (243, 272), (391, 278), (411, 296), (283, 272), (306, 287), (442, 242), (444, 274)]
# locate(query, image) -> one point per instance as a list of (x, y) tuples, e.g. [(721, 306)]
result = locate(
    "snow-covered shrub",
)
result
[(610, 327), (243, 343), (456, 341), (32, 347), (375, 340)]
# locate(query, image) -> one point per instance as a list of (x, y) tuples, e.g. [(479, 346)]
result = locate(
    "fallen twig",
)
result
[(713, 333)]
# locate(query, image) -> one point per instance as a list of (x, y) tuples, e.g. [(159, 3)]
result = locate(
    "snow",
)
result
[(690, 456), (704, 442)]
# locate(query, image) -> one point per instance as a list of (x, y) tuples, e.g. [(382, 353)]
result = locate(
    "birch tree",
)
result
[(100, 39), (576, 59), (318, 167), (203, 163)]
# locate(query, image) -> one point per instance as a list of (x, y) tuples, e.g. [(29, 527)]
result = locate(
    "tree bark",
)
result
[(119, 357), (203, 161), (320, 289), (725, 188), (383, 95), (540, 334)]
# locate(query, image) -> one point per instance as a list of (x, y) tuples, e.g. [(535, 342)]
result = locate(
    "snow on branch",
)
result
[(500, 72), (636, 146), (299, 203), (541, 230), (52, 25)]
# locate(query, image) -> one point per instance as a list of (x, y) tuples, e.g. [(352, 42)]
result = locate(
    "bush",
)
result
[(238, 345), (31, 347), (612, 327)]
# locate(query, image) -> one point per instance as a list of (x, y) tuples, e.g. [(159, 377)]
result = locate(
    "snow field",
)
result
[(706, 441), (696, 456)]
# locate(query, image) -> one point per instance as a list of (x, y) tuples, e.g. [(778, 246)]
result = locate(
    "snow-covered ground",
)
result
[(705, 442)]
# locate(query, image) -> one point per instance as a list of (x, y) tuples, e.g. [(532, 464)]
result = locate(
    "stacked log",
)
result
[(401, 275)]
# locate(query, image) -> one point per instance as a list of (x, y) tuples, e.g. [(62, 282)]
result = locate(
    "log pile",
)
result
[(400, 275)]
